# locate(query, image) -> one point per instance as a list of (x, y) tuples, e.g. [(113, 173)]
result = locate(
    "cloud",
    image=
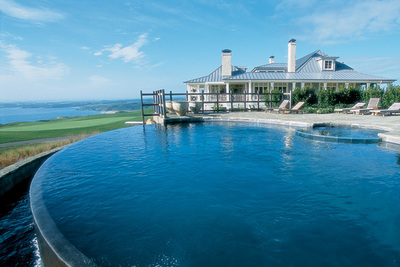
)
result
[(339, 21), (383, 66), (19, 65), (128, 53), (18, 11)]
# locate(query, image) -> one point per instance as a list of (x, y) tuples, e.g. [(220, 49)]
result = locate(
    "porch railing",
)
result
[(212, 102)]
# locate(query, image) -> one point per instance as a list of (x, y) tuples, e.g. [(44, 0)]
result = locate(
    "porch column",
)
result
[(250, 90), (325, 86), (272, 87), (302, 85), (346, 85), (207, 90), (293, 86), (368, 85), (227, 93)]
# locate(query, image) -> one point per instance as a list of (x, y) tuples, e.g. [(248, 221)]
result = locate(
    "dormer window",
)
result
[(327, 62), (328, 65)]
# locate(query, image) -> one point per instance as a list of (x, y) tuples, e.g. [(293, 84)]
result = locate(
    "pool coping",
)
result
[(54, 248)]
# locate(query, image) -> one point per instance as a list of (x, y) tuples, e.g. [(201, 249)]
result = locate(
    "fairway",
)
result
[(23, 131), (60, 125)]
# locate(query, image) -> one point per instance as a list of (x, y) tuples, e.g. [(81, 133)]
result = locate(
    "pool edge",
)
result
[(51, 242)]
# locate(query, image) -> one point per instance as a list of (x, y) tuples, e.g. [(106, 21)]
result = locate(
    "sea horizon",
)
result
[(36, 111)]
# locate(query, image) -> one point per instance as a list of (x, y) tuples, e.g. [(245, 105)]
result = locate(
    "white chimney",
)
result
[(271, 60), (292, 56), (226, 62)]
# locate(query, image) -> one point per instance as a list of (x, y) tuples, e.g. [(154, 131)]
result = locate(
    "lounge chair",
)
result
[(295, 109), (356, 106), (394, 108), (372, 105), (283, 105)]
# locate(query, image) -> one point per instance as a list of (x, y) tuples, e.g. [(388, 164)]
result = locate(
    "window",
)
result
[(328, 65), (261, 87), (280, 86)]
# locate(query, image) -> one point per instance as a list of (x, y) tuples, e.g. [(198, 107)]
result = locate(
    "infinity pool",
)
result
[(220, 194)]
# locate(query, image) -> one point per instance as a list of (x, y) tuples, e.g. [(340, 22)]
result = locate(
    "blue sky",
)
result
[(81, 50)]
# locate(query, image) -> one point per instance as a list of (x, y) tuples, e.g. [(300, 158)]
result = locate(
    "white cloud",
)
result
[(383, 66), (19, 65), (128, 53), (18, 11), (338, 21)]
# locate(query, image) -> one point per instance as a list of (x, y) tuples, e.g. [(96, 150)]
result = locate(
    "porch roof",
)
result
[(345, 75)]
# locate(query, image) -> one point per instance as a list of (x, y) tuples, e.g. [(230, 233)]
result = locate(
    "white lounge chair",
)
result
[(283, 105), (295, 109), (356, 106), (372, 105), (394, 108)]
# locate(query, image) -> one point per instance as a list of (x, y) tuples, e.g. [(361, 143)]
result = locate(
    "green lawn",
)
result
[(23, 131)]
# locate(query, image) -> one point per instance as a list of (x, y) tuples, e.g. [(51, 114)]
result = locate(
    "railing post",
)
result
[(141, 103), (270, 99), (202, 100), (231, 98), (164, 112), (170, 95)]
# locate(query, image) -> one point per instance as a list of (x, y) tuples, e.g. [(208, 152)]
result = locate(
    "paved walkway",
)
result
[(388, 123)]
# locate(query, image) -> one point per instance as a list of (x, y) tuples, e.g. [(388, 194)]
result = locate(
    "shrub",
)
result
[(306, 95), (276, 97)]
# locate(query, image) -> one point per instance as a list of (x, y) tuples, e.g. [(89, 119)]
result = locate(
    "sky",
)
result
[(54, 50)]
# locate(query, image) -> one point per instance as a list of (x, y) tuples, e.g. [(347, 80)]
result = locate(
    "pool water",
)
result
[(340, 134), (224, 194)]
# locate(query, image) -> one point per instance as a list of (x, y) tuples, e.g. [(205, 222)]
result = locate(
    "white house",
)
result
[(316, 70)]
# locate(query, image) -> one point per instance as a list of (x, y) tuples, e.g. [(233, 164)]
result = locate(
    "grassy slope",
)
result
[(65, 126)]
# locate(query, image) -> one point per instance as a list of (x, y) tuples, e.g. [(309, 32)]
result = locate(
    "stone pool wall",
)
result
[(12, 175)]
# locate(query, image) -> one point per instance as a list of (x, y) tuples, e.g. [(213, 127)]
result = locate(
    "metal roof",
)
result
[(301, 63), (325, 76), (307, 69), (272, 66), (216, 75)]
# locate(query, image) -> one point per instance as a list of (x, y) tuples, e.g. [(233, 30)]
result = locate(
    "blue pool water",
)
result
[(224, 195), (340, 134)]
